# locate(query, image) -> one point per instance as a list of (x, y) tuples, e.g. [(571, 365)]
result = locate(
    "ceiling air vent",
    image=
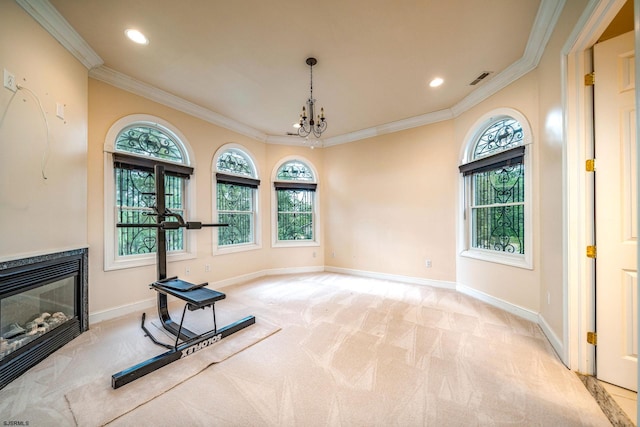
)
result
[(480, 78)]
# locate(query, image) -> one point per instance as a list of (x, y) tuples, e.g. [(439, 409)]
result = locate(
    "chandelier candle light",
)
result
[(307, 124)]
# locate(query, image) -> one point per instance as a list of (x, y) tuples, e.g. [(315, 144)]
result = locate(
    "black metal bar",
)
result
[(161, 247), (191, 225), (183, 350), (150, 335), (184, 310)]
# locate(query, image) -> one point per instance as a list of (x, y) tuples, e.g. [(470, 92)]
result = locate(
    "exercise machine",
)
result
[(195, 297)]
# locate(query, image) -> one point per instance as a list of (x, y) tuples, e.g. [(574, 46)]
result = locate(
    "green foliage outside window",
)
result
[(295, 214), (235, 207), (498, 212), (295, 205), (134, 200)]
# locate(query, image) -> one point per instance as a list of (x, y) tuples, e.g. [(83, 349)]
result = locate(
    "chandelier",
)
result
[(308, 124)]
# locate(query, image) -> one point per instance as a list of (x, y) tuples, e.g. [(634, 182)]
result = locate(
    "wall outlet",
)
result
[(187, 270), (427, 263), (10, 81), (207, 268)]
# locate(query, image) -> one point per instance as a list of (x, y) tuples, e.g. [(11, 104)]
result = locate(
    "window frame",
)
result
[(113, 261), (465, 245), (275, 242), (257, 228)]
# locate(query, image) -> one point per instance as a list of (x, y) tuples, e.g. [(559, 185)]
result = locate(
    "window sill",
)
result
[(217, 250), (519, 261), (294, 243)]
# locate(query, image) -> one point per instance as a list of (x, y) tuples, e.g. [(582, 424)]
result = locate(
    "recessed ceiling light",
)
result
[(436, 82), (136, 36)]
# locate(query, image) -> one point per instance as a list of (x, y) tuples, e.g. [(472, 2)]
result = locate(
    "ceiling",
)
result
[(241, 64)]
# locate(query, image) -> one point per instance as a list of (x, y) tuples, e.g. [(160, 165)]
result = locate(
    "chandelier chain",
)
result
[(308, 123)]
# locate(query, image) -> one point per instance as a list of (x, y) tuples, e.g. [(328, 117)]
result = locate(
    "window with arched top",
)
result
[(497, 190), (236, 183), (134, 145), (295, 186)]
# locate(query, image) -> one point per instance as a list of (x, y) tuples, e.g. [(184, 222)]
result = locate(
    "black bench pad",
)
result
[(197, 296)]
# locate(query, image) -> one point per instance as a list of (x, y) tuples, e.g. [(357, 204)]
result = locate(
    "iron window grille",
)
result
[(496, 176), (138, 149), (295, 197), (236, 185)]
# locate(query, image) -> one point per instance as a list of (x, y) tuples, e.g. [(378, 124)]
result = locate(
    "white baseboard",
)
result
[(496, 302), (501, 304), (112, 313), (553, 339), (393, 277)]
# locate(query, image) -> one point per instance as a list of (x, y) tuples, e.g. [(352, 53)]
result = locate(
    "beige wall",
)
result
[(391, 203), (121, 288), (40, 215)]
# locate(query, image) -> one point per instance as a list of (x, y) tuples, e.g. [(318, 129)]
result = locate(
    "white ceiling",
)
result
[(241, 63)]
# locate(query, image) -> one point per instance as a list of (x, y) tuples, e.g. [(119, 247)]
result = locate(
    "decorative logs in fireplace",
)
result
[(18, 335)]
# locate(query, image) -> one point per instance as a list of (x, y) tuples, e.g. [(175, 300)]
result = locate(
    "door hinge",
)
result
[(591, 252), (590, 79), (590, 165), (592, 338)]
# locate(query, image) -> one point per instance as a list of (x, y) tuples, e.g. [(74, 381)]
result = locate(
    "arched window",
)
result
[(497, 188), (295, 187), (236, 180), (134, 146)]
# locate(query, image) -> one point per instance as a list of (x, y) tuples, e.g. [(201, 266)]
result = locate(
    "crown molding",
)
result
[(44, 13), (543, 26), (122, 81), (397, 126), (51, 20)]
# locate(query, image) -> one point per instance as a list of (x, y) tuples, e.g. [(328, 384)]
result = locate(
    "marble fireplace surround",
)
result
[(29, 273)]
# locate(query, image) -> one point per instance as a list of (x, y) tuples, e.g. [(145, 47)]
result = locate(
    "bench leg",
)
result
[(165, 318)]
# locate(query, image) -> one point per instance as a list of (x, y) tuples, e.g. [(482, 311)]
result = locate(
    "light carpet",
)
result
[(352, 351), (97, 403)]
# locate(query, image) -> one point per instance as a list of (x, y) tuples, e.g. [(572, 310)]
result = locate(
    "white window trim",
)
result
[(111, 260), (257, 228), (464, 241), (275, 243)]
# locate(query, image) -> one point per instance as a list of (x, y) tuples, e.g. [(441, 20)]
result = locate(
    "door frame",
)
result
[(578, 270)]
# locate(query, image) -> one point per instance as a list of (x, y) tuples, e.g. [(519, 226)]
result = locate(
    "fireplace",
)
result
[(43, 306)]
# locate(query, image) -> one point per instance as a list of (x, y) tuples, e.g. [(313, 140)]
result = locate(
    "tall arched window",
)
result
[(497, 190), (134, 146), (236, 180), (295, 185)]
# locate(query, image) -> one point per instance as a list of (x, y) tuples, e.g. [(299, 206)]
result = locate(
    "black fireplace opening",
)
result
[(43, 306)]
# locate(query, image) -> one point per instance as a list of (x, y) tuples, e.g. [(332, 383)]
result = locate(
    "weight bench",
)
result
[(195, 297)]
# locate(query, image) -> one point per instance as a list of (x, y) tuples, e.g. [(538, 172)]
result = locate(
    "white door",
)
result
[(616, 213)]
